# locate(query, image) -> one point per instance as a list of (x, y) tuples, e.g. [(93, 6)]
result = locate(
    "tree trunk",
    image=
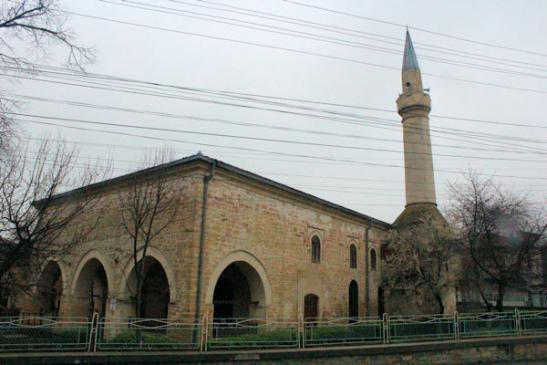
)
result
[(440, 305), (501, 294)]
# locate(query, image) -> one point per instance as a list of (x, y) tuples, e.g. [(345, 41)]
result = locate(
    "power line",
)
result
[(307, 35), (356, 162), (362, 34), (299, 51), (417, 28), (263, 139), (452, 131), (255, 125), (253, 96), (261, 156)]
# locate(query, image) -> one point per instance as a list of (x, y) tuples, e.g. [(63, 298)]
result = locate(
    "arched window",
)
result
[(373, 259), (352, 257), (315, 249)]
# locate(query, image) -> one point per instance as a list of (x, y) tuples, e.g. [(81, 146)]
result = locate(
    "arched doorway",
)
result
[(91, 290), (154, 290), (311, 307), (50, 290), (239, 293), (353, 309)]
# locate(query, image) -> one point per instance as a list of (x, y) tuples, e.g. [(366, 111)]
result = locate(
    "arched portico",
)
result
[(156, 254), (49, 289), (90, 289), (239, 287), (157, 290), (93, 254)]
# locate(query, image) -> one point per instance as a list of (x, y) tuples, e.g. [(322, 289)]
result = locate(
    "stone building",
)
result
[(241, 245), (267, 251)]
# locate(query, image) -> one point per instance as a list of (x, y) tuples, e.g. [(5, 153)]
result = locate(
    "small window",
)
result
[(373, 260), (352, 257), (315, 249)]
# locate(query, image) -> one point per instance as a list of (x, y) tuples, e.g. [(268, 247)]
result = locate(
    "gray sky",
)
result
[(368, 178)]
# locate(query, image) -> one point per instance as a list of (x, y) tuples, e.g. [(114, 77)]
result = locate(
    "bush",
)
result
[(130, 337), (263, 339)]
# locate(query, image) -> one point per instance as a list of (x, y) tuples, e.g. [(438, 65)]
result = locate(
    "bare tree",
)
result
[(499, 231), (419, 260), (148, 206), (33, 25), (36, 223)]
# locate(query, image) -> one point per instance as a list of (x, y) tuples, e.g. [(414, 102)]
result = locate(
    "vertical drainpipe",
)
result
[(201, 257), (367, 271)]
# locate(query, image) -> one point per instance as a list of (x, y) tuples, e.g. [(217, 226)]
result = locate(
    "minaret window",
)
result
[(408, 86)]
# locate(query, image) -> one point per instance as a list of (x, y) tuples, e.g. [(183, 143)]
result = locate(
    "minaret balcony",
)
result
[(414, 102)]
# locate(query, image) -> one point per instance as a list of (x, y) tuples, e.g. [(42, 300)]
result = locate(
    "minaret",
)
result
[(414, 105)]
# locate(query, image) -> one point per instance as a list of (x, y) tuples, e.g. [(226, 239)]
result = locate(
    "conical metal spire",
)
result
[(410, 61)]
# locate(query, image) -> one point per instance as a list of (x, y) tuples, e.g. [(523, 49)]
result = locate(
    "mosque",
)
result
[(242, 245)]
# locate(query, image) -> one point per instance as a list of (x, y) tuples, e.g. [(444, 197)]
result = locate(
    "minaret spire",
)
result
[(414, 106), (410, 61)]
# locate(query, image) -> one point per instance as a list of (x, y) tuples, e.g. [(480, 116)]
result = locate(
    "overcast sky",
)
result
[(468, 80)]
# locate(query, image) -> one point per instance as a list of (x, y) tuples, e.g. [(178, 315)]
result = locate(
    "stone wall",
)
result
[(276, 230)]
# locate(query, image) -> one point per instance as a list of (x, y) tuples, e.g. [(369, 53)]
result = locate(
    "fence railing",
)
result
[(237, 333), (20, 334), (420, 328), (148, 334), (44, 334), (342, 331)]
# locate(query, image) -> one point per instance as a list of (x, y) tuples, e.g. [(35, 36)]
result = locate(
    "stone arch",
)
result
[(50, 288), (93, 254), (162, 260), (90, 289), (243, 264)]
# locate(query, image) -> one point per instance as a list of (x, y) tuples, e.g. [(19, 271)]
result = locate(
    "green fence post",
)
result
[(517, 322), (301, 331), (93, 333), (456, 326), (385, 336)]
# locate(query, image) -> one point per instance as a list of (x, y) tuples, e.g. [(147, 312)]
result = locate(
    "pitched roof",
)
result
[(230, 168), (410, 61)]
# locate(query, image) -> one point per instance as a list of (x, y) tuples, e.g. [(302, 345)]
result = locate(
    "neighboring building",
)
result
[(529, 292), (266, 250)]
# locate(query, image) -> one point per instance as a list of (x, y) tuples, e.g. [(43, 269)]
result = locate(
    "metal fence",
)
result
[(44, 334), (237, 333), (491, 324), (420, 328), (148, 334), (21, 334), (533, 322), (342, 331)]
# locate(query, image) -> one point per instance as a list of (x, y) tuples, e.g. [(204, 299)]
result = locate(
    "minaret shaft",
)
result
[(414, 106)]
